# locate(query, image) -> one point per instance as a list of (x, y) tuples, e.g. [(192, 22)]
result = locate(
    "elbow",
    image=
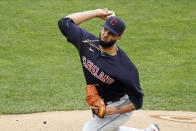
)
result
[(60, 22), (139, 105), (63, 26)]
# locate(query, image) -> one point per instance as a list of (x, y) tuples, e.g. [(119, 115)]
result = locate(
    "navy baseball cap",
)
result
[(115, 25)]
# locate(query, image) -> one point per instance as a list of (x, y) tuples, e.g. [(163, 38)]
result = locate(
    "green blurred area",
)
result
[(41, 71)]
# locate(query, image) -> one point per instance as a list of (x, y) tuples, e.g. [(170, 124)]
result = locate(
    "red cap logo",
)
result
[(113, 22)]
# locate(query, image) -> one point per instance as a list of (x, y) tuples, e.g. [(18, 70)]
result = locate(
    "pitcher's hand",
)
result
[(103, 13)]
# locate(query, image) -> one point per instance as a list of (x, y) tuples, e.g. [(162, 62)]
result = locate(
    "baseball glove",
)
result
[(93, 99)]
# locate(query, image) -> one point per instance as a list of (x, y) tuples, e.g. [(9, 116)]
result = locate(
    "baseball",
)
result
[(113, 14)]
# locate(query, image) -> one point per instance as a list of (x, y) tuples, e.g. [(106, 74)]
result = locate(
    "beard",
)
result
[(107, 44)]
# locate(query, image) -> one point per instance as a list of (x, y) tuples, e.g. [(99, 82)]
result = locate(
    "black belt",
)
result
[(109, 102), (115, 100)]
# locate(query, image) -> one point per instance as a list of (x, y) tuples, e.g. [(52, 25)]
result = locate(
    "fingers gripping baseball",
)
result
[(95, 101), (104, 13)]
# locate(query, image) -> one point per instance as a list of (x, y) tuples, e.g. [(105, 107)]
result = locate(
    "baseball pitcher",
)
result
[(113, 90)]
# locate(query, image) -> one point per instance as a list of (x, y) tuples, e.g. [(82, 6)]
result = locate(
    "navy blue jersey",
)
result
[(115, 75)]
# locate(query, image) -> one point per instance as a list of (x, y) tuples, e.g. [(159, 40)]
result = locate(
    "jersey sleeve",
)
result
[(134, 90), (71, 31)]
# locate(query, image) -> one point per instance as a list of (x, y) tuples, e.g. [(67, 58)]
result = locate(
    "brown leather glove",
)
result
[(93, 99)]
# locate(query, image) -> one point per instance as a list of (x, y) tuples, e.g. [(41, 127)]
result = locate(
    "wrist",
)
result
[(97, 12), (109, 111)]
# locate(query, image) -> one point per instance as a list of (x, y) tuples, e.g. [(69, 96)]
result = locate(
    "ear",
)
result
[(119, 38)]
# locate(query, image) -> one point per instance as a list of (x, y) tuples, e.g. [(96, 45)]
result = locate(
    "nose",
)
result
[(105, 33)]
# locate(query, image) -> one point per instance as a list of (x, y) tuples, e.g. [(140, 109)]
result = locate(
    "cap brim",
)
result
[(110, 29)]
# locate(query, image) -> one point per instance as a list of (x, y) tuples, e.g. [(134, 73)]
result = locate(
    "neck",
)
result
[(110, 50)]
